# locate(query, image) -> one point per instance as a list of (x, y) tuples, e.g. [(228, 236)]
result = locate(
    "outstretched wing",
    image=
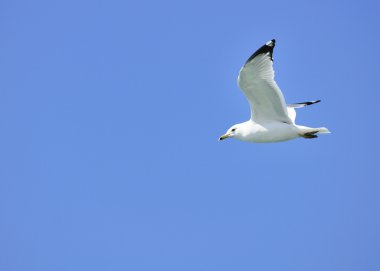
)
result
[(256, 79), (292, 108)]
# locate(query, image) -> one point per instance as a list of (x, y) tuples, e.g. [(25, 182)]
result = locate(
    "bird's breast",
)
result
[(270, 132)]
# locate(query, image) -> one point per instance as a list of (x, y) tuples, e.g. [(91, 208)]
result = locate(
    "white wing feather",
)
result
[(292, 108), (292, 113), (256, 80)]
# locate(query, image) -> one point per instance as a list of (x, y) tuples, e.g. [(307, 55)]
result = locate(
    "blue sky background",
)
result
[(110, 113)]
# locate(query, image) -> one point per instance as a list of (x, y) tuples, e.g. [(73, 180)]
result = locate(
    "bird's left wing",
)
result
[(256, 79)]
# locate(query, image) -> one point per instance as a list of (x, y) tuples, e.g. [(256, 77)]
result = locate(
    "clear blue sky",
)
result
[(110, 113)]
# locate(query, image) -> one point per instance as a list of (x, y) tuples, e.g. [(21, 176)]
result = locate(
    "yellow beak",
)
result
[(224, 137)]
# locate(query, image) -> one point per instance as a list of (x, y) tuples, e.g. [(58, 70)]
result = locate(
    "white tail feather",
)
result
[(307, 130), (323, 130)]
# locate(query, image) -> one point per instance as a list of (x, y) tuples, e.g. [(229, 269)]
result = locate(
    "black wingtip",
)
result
[(266, 48), (309, 103), (313, 102)]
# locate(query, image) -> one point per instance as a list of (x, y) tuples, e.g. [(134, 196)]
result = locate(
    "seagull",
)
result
[(272, 120)]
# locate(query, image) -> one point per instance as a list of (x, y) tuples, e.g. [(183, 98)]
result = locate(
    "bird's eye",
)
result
[(233, 130)]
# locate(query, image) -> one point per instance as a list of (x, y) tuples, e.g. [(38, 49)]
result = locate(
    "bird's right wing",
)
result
[(256, 80)]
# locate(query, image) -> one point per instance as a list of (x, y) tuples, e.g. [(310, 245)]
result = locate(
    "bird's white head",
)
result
[(234, 131)]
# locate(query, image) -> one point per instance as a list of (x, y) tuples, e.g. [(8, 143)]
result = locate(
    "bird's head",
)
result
[(232, 132)]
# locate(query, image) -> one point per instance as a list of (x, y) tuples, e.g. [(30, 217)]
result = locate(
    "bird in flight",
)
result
[(272, 120)]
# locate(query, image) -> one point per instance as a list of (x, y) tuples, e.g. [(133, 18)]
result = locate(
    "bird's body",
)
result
[(273, 131), (272, 120)]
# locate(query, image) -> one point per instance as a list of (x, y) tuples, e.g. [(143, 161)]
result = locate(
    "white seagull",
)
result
[(272, 120)]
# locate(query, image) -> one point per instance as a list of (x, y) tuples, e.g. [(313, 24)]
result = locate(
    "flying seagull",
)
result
[(272, 120)]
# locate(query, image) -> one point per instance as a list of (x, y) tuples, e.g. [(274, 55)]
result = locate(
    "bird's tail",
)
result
[(323, 130), (307, 132)]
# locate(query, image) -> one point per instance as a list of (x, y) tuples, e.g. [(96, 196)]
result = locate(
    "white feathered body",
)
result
[(272, 131), (272, 120)]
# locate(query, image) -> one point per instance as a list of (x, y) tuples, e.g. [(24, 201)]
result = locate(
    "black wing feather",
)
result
[(266, 48)]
